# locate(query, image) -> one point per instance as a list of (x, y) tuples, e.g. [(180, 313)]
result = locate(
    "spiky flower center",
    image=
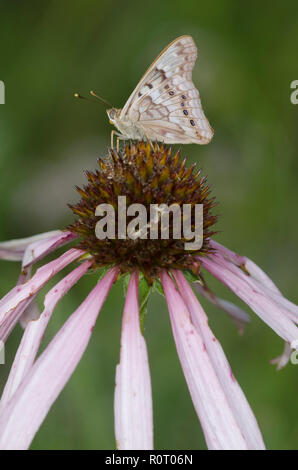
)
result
[(145, 174)]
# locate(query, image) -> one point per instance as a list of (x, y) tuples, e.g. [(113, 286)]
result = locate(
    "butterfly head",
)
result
[(113, 114)]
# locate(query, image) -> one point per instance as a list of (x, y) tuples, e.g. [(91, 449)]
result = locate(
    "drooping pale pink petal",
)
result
[(242, 261), (236, 313), (40, 248), (133, 398), (245, 287), (25, 311), (13, 250), (282, 360), (290, 308), (31, 313), (30, 250), (235, 396), (219, 425), (34, 332), (13, 304), (257, 275), (23, 415)]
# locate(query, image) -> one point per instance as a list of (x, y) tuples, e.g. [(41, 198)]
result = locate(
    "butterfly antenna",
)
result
[(100, 98), (77, 95)]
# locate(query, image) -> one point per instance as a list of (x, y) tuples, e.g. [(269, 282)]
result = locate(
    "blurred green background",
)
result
[(247, 60)]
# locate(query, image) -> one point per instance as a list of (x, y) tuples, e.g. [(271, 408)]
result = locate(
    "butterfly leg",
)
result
[(112, 139), (148, 140), (152, 146), (119, 137)]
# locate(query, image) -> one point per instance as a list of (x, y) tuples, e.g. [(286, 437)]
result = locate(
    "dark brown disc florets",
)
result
[(146, 174)]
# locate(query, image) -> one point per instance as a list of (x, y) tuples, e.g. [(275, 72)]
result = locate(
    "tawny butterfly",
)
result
[(165, 106)]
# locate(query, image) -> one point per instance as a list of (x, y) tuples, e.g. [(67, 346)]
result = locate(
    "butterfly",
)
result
[(165, 106)]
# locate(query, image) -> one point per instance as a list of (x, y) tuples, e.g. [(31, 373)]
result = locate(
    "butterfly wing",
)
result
[(166, 104)]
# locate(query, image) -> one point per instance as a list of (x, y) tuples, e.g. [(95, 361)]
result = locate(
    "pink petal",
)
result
[(9, 322), (14, 250), (32, 311), (17, 300), (133, 398), (236, 313), (40, 248), (257, 276), (256, 297), (22, 417), (282, 360), (255, 271), (235, 396), (219, 425), (30, 250), (34, 332), (290, 309)]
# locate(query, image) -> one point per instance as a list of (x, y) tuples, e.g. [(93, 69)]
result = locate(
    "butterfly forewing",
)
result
[(165, 103)]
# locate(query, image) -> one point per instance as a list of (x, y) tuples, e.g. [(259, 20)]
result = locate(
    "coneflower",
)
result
[(145, 174)]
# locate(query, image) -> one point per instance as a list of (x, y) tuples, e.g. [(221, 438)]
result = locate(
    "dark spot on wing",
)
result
[(192, 122), (139, 94), (162, 73), (185, 112), (167, 86), (183, 97), (171, 93), (149, 85)]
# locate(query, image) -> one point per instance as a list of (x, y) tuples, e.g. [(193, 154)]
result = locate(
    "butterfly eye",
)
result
[(112, 113)]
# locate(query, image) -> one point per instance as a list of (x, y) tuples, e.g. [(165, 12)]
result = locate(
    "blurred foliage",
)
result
[(247, 60)]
